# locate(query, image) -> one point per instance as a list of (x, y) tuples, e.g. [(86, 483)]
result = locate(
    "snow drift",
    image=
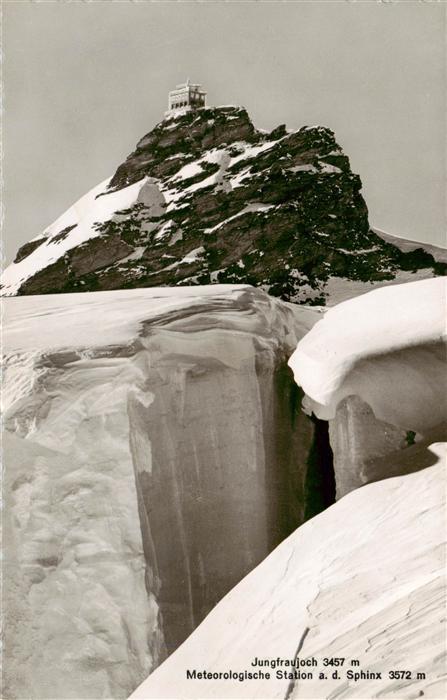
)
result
[(154, 454), (375, 367)]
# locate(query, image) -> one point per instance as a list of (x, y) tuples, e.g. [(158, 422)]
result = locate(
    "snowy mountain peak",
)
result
[(207, 197)]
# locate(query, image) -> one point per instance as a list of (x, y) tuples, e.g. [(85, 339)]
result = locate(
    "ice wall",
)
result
[(214, 478), (375, 368), (157, 454)]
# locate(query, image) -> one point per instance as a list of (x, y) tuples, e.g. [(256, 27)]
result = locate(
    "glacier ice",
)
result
[(365, 579), (153, 443), (155, 452)]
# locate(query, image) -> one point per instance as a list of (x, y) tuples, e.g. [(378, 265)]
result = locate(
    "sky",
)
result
[(84, 81)]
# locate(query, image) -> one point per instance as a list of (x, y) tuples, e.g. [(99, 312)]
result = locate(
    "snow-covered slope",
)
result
[(407, 246), (76, 227), (206, 197), (154, 453), (375, 366), (363, 582)]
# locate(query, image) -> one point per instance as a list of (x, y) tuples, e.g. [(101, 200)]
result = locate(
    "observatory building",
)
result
[(188, 95)]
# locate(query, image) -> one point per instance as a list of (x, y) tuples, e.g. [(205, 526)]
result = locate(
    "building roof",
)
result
[(188, 85)]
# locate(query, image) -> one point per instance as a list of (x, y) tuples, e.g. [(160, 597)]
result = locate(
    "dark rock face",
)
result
[(94, 255), (195, 132), (77, 263), (282, 211), (27, 249)]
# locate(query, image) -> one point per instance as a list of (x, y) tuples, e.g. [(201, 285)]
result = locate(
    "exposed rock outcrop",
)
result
[(206, 197)]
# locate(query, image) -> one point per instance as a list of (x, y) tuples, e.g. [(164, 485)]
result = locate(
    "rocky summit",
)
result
[(208, 198)]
